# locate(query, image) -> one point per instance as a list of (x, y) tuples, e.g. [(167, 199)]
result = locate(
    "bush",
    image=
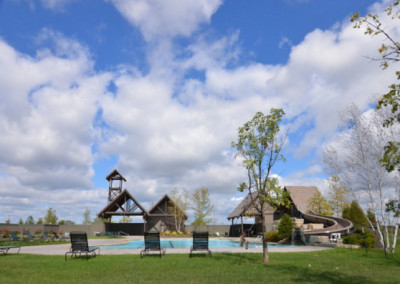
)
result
[(285, 227), (167, 233), (174, 233), (369, 241), (272, 236), (365, 240)]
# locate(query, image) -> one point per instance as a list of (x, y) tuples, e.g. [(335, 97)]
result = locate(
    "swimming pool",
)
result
[(139, 244)]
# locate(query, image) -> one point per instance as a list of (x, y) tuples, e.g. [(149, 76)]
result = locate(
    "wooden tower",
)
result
[(115, 180)]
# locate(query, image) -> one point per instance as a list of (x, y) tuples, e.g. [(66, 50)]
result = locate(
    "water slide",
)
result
[(331, 224)]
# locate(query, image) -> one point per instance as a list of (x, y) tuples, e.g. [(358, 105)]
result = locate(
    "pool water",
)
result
[(139, 244)]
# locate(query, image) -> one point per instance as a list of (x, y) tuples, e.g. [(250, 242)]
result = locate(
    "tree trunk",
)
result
[(396, 229), (265, 244)]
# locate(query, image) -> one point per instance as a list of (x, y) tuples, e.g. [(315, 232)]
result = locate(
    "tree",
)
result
[(30, 220), (259, 145), (86, 217), (389, 52), (355, 158), (285, 227), (21, 222), (202, 207), (318, 204), (178, 207), (371, 216), (125, 219), (356, 215), (51, 217), (337, 195), (40, 221), (8, 220)]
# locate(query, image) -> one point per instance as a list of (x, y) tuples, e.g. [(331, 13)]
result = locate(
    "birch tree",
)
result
[(178, 207), (259, 145), (354, 157)]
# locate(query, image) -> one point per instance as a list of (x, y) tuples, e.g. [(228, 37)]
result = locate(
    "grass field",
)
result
[(332, 266)]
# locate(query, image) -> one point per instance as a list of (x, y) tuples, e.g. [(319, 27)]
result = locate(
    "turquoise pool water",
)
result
[(139, 244)]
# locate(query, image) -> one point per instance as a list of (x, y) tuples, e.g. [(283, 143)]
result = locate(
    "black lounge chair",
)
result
[(152, 244), (4, 249), (14, 237), (79, 245), (200, 243)]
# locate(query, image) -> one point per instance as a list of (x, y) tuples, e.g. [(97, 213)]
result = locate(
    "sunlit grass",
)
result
[(332, 266)]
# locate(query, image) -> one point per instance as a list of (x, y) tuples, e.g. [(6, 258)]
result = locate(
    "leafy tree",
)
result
[(371, 216), (30, 220), (337, 195), (285, 227), (178, 207), (356, 215), (40, 221), (86, 216), (51, 217), (101, 220), (125, 219), (318, 204), (355, 159), (389, 52), (259, 145), (21, 222), (202, 207), (8, 220)]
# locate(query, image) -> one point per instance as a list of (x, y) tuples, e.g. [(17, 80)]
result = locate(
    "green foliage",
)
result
[(356, 215), (8, 220), (389, 51), (272, 236), (338, 194), (371, 216), (177, 207), (51, 217), (202, 207), (21, 222), (366, 239), (393, 206), (125, 219), (320, 205), (30, 220), (285, 227), (40, 221)]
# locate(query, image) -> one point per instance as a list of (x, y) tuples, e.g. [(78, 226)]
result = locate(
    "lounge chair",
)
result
[(4, 249), (79, 244), (29, 236), (200, 243), (46, 236), (152, 244), (14, 237)]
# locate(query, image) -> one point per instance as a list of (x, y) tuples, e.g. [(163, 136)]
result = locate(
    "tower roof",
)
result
[(115, 175)]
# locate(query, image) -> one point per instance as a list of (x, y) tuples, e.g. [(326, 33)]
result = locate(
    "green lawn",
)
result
[(333, 266)]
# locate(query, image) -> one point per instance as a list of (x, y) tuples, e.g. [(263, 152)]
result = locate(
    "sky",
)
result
[(158, 89)]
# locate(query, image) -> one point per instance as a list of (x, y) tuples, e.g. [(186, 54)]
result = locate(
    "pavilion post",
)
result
[(241, 223)]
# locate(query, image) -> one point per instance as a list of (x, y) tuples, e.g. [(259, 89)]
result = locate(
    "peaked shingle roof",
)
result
[(246, 208), (163, 202), (123, 204), (301, 196)]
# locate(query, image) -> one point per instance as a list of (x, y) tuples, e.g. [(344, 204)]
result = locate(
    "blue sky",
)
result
[(158, 90)]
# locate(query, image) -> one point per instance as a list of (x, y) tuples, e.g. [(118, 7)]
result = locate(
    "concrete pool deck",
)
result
[(63, 248)]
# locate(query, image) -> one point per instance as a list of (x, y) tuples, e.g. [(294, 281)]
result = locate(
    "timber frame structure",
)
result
[(123, 203)]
